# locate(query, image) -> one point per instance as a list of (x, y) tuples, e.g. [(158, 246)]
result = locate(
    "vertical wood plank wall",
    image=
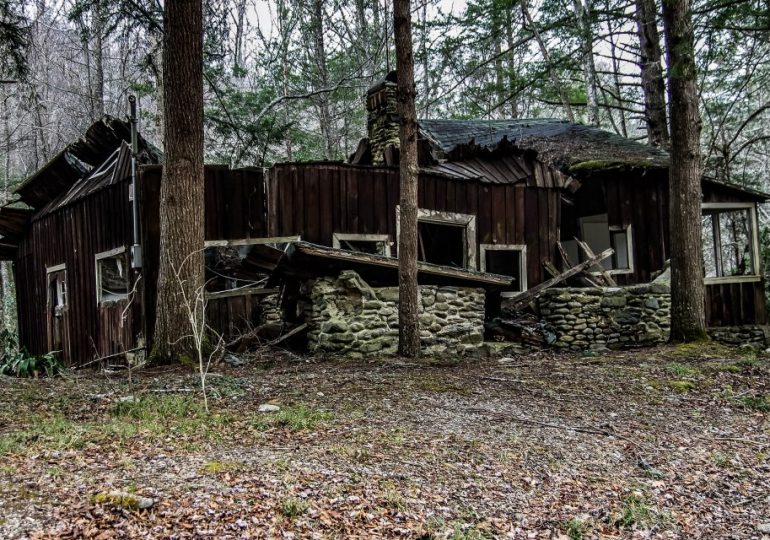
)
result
[(73, 235), (317, 200), (234, 208), (102, 221)]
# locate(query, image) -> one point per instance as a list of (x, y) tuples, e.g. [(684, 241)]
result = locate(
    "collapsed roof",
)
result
[(564, 145)]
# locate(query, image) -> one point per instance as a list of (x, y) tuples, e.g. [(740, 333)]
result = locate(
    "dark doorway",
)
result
[(506, 262)]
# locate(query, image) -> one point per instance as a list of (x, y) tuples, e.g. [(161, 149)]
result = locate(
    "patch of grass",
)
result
[(468, 532), (352, 453), (699, 349), (217, 467), (720, 459), (392, 495), (575, 529), (636, 510), (151, 407), (681, 387), (725, 368), (680, 370), (756, 403), (118, 500), (297, 418), (292, 507), (162, 414), (54, 432)]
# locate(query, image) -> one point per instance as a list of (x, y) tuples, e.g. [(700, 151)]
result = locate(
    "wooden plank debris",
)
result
[(602, 271), (530, 294)]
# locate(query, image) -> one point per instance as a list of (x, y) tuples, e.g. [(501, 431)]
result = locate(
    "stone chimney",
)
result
[(382, 116)]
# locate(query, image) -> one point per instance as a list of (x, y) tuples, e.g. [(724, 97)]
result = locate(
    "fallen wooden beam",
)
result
[(568, 264), (589, 253), (533, 292)]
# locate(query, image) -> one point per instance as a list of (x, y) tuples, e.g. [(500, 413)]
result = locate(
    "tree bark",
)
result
[(583, 14), (324, 109), (653, 85), (687, 289), (558, 86), (180, 279), (408, 299)]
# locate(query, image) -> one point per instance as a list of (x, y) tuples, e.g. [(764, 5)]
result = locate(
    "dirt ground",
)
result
[(657, 443)]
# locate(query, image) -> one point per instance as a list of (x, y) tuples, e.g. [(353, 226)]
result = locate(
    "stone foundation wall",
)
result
[(751, 336), (349, 317), (612, 317)]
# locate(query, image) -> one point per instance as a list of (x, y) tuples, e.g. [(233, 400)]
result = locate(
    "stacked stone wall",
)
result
[(383, 121), (612, 317), (750, 336), (349, 317)]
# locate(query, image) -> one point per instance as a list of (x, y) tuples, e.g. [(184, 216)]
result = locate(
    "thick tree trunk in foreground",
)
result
[(408, 299), (687, 289), (180, 279), (652, 74)]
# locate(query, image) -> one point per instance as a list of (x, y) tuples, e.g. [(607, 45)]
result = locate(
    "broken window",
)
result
[(235, 266), (600, 235), (112, 276), (507, 260), (729, 241), (444, 238), (442, 244), (57, 283), (373, 244)]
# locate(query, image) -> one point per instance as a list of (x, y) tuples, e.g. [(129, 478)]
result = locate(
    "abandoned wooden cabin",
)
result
[(518, 198)]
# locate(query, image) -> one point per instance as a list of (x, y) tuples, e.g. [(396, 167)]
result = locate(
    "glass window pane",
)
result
[(113, 278), (735, 235), (620, 245)]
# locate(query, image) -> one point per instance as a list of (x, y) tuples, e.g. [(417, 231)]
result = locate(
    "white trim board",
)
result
[(466, 221), (483, 248), (755, 251), (337, 238)]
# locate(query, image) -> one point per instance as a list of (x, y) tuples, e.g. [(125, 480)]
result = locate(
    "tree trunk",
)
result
[(687, 289), (97, 89), (323, 78), (558, 86), (180, 278), (408, 298), (653, 85), (511, 62), (240, 25), (583, 14)]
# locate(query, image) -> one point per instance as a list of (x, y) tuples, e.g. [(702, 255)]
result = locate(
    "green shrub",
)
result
[(19, 363)]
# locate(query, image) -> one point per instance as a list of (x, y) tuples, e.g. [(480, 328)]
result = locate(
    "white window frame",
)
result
[(522, 248), (755, 253), (629, 242), (338, 238), (251, 241), (465, 221), (106, 255)]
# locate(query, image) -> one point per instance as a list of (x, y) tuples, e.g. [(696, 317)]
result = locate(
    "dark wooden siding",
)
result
[(235, 208), (317, 200), (73, 235), (734, 304)]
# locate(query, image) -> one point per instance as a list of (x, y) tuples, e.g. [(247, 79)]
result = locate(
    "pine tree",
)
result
[(180, 279)]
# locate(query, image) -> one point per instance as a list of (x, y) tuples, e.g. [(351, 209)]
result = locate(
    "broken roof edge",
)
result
[(482, 279), (754, 193)]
